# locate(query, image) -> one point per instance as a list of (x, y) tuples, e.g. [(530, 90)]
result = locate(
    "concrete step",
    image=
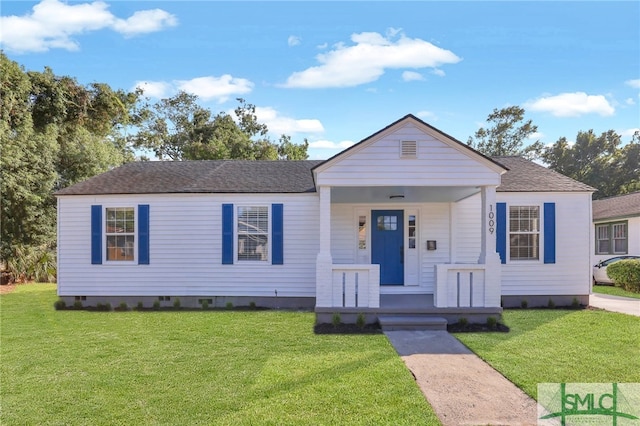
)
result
[(411, 322)]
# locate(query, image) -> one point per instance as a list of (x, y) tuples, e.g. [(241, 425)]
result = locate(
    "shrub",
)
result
[(336, 319), (492, 322), (229, 305), (575, 303), (252, 305), (139, 306), (176, 303), (59, 304), (626, 274), (551, 304), (77, 304), (524, 304), (205, 304), (463, 322), (156, 305), (123, 306), (361, 321)]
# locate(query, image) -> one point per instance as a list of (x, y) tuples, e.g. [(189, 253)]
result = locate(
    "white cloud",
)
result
[(427, 116), (293, 41), (324, 144), (572, 105), (219, 89), (629, 132), (633, 83), (53, 24), (412, 76), (155, 89), (630, 101), (535, 136), (279, 124), (367, 59), (438, 72), (145, 21), (208, 88)]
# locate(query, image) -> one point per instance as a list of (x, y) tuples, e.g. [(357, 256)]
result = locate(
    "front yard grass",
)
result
[(190, 367), (614, 291), (556, 346)]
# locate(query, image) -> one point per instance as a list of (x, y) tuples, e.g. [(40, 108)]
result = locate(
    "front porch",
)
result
[(436, 280)]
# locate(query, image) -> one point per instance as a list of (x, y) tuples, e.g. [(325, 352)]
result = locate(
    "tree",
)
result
[(53, 132), (599, 161), (177, 128), (507, 135), (28, 175)]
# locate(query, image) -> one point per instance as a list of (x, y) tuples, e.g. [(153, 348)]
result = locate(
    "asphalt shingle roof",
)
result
[(617, 207), (244, 176), (222, 176), (527, 176)]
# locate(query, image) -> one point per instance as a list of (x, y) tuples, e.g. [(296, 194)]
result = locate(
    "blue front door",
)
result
[(387, 250)]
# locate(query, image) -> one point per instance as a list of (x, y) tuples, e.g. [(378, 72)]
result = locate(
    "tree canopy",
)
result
[(506, 134), (602, 162), (177, 128)]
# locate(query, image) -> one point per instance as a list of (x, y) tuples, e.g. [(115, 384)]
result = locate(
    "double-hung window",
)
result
[(611, 238), (253, 233), (524, 232), (120, 233)]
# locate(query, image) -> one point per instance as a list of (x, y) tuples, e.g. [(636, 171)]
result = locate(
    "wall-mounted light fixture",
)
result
[(395, 197)]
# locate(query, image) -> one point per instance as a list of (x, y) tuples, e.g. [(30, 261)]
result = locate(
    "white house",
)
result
[(409, 221), (616, 222)]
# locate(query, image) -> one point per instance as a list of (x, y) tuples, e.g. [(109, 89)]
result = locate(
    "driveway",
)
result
[(625, 305)]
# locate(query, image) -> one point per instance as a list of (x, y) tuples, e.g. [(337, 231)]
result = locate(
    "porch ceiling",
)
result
[(409, 194)]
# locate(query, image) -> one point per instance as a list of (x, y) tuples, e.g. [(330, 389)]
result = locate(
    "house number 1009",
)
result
[(491, 221)]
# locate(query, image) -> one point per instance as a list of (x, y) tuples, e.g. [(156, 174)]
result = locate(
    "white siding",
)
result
[(185, 249), (378, 162), (571, 274), (466, 229)]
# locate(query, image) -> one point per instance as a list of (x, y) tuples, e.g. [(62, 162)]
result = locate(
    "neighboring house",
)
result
[(616, 226), (409, 220)]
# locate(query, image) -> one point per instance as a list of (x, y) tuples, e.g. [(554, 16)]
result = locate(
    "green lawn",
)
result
[(555, 346), (614, 291), (190, 367)]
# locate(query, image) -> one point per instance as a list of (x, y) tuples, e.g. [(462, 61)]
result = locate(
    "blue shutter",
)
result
[(143, 234), (277, 237), (227, 234), (549, 232), (96, 235), (501, 231)]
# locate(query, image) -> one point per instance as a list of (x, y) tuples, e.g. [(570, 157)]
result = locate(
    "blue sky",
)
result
[(336, 72)]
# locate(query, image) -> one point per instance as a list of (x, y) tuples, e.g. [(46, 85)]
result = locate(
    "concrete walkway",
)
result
[(625, 305), (461, 388)]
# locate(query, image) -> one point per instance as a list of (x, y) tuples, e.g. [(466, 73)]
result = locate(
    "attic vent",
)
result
[(408, 149)]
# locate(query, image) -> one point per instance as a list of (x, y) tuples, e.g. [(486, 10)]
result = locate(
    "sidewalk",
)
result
[(461, 388), (625, 305)]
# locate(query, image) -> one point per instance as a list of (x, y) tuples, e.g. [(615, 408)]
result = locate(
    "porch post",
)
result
[(324, 262), (488, 254)]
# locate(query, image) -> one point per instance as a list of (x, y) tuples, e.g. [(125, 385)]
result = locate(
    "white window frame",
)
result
[(105, 235), (610, 226), (237, 233), (537, 232)]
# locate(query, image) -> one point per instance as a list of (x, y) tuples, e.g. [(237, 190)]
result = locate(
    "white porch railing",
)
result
[(355, 286), (460, 286)]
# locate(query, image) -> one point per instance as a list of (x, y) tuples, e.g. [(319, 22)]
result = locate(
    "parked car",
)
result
[(600, 269)]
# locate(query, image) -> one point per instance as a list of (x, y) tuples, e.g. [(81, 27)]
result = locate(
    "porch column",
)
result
[(324, 262), (488, 254)]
